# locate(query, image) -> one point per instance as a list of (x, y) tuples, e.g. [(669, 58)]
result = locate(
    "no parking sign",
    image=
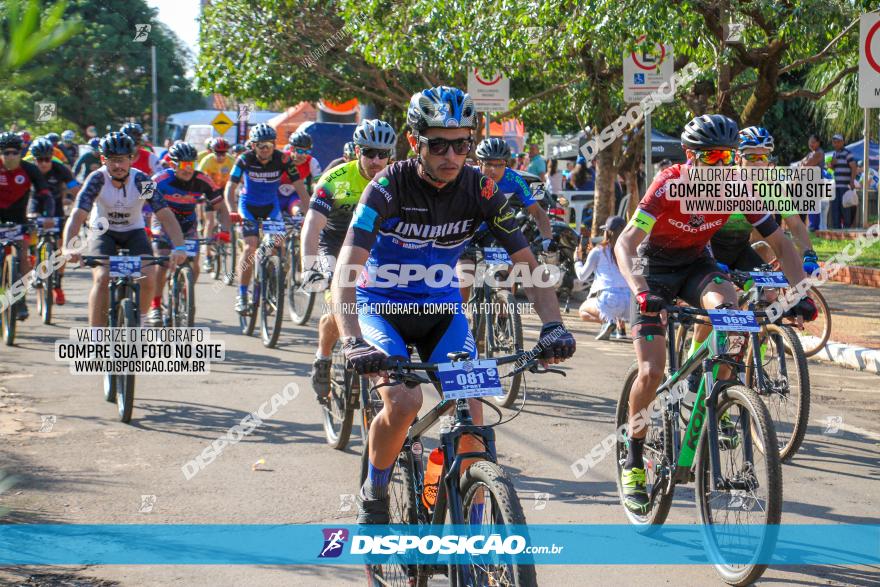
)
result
[(869, 61)]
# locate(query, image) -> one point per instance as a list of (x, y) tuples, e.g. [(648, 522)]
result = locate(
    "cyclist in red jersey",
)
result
[(663, 255), (17, 179), (144, 160)]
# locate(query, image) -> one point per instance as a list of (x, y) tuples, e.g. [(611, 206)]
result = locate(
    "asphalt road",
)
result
[(77, 464)]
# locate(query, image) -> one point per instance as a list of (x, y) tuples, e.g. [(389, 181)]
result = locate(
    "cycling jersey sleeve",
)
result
[(378, 202), (499, 216), (521, 188), (290, 167), (315, 167), (212, 193), (42, 201), (237, 170), (144, 183), (322, 199), (155, 167), (92, 186)]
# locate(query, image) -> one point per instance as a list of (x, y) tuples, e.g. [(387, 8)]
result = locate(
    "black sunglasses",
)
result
[(11, 153), (376, 153), (441, 146), (44, 159)]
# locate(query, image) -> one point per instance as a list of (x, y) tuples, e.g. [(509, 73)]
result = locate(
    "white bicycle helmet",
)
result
[(375, 134)]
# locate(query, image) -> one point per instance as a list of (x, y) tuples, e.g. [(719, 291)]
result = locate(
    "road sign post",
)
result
[(644, 71), (869, 61)]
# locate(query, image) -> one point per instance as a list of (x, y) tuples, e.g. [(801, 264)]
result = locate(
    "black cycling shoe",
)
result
[(22, 313), (373, 511), (321, 379)]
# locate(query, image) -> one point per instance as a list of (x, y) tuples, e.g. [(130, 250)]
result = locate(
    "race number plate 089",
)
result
[(464, 379), (734, 320), (125, 266)]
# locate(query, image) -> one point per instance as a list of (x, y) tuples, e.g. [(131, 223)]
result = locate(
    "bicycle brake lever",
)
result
[(539, 370)]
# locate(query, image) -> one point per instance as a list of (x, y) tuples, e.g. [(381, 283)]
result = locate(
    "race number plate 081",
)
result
[(125, 266), (734, 321), (464, 379), (769, 278), (496, 255)]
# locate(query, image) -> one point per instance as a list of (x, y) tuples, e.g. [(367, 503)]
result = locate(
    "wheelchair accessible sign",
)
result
[(464, 379)]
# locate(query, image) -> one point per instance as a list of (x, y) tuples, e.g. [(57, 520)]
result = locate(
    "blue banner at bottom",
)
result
[(172, 544)]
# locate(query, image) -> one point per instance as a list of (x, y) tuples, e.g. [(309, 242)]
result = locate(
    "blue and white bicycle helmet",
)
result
[(755, 136), (441, 107)]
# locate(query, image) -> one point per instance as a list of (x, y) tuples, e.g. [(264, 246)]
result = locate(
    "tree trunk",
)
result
[(606, 174), (632, 188)]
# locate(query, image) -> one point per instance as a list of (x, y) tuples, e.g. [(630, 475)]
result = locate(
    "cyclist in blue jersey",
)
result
[(183, 189), (260, 169), (493, 155), (422, 212)]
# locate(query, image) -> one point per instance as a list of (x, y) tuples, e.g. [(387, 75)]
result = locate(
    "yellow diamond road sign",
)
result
[(221, 123)]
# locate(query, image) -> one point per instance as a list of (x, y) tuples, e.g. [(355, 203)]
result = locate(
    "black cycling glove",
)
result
[(555, 342)]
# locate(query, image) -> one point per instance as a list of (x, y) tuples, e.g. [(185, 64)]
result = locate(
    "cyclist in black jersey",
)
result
[(422, 212)]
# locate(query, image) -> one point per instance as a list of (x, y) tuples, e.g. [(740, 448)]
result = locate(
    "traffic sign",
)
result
[(490, 93), (221, 123), (645, 70), (869, 61)]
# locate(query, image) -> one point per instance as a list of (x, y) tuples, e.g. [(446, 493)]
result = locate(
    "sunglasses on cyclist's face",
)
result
[(441, 146), (44, 159), (715, 156), (303, 151), (11, 153), (264, 145), (375, 153), (755, 156), (495, 164), (186, 164)]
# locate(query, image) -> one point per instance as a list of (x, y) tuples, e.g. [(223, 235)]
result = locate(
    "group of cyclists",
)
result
[(364, 211)]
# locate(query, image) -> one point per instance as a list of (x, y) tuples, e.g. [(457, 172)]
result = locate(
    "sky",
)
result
[(182, 17)]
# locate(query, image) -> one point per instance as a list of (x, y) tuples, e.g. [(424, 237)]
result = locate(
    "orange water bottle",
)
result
[(432, 478)]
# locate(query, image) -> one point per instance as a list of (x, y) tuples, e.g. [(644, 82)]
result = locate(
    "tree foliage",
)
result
[(102, 76)]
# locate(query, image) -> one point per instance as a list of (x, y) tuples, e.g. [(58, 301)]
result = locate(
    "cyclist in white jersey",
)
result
[(114, 195)]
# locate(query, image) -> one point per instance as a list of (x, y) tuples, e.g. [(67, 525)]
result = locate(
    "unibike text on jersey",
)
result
[(433, 231)]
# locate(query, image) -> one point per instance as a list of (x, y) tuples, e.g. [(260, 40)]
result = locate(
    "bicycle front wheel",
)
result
[(128, 318), (815, 334), (339, 413), (184, 298), (741, 521), (272, 301), (300, 303), (44, 292), (490, 499), (505, 338), (786, 386), (10, 276)]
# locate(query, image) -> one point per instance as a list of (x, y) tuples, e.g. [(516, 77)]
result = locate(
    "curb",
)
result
[(850, 356)]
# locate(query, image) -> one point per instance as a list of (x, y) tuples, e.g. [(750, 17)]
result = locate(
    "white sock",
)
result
[(318, 355)]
